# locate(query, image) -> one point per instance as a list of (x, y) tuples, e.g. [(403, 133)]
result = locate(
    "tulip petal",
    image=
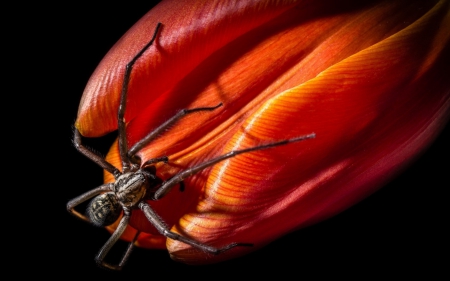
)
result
[(372, 116)]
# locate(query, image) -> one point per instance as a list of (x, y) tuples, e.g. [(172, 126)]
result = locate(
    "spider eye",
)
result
[(104, 209)]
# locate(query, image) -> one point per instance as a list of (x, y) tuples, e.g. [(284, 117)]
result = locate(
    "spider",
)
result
[(137, 182)]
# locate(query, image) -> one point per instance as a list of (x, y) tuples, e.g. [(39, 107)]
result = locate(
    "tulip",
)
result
[(368, 78)]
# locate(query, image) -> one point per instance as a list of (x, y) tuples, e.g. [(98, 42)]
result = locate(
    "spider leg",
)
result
[(84, 197), (129, 250), (123, 145), (99, 259), (93, 156), (167, 186), (153, 134), (157, 222), (164, 159)]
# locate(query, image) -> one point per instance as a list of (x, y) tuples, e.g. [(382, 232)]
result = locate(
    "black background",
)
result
[(399, 230)]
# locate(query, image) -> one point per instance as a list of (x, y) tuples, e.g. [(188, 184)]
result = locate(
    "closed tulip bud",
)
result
[(370, 79)]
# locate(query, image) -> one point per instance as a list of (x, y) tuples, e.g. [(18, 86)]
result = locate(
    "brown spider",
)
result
[(138, 182)]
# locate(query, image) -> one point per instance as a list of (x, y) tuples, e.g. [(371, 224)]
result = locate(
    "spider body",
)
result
[(137, 182)]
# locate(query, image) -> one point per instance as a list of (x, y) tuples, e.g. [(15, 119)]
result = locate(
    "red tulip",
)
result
[(369, 79)]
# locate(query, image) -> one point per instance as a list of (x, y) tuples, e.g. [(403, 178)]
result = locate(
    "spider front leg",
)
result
[(123, 144), (164, 230)]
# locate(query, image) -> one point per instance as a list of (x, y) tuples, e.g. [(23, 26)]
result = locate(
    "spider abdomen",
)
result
[(104, 209)]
